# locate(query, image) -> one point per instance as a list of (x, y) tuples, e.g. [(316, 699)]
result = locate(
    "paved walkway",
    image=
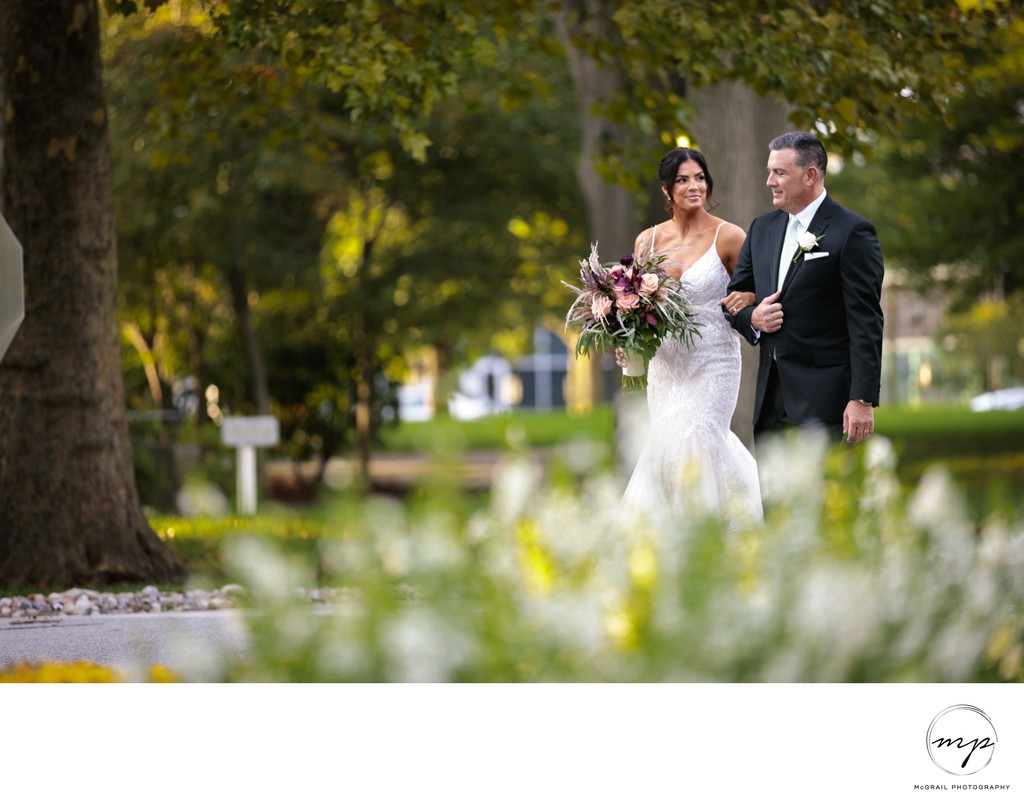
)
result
[(125, 641)]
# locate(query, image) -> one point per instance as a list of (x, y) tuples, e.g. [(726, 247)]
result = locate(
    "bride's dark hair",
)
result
[(670, 166)]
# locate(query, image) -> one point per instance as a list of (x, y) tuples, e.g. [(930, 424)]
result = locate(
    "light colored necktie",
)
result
[(788, 249)]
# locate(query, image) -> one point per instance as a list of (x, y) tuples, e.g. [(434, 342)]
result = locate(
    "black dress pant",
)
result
[(773, 417), (773, 409)]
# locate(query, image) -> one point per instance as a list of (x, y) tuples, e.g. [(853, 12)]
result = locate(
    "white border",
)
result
[(495, 746)]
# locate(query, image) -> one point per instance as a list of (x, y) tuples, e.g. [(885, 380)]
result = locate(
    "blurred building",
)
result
[(910, 356), (548, 378)]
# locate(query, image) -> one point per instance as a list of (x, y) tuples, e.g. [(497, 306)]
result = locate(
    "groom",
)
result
[(816, 271)]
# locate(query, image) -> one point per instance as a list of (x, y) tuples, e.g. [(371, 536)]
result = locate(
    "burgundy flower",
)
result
[(626, 261)]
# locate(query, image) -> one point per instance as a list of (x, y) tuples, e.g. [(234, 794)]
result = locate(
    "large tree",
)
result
[(69, 510)]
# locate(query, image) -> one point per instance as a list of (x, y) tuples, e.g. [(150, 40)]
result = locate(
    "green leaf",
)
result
[(846, 109)]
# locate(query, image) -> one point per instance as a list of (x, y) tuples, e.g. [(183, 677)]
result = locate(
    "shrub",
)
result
[(846, 581)]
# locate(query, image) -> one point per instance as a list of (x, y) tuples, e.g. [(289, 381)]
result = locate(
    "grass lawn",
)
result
[(921, 432), (199, 541), (944, 431), (503, 431), (984, 452)]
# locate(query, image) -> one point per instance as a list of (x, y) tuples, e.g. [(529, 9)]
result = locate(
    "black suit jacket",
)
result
[(829, 349)]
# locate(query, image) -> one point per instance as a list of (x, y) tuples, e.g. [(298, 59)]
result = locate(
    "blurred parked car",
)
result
[(1007, 399)]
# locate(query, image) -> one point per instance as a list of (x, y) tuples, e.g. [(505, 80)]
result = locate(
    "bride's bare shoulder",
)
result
[(730, 240), (645, 236), (643, 239), (731, 235)]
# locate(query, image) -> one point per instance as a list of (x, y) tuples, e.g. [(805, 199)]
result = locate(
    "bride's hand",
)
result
[(736, 301), (620, 357)]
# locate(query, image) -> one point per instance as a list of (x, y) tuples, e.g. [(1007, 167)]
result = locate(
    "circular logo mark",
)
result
[(961, 740)]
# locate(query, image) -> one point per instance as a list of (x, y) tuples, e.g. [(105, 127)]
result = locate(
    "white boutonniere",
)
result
[(805, 243)]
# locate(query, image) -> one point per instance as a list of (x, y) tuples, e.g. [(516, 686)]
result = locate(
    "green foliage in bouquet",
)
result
[(632, 304)]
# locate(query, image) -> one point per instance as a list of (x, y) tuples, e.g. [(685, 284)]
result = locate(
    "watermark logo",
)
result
[(961, 740)]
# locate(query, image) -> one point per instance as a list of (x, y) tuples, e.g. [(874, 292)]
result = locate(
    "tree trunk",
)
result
[(447, 379), (365, 398), (69, 508), (611, 209), (364, 418), (239, 282), (732, 128)]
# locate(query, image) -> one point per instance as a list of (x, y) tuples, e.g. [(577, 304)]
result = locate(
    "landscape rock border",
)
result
[(79, 601)]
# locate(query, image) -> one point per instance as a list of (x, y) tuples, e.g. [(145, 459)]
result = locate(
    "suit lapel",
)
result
[(778, 234), (819, 224)]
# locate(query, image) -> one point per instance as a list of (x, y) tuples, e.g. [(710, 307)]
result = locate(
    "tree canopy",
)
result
[(947, 198), (853, 67)]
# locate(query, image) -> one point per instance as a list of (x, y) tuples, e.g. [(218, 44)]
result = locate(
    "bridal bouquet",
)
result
[(632, 304)]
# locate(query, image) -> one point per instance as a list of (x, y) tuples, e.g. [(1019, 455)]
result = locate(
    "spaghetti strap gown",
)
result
[(692, 461)]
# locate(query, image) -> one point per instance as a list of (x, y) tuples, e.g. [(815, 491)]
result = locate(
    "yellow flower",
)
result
[(80, 671)]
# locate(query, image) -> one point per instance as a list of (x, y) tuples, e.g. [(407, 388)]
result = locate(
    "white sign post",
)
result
[(12, 286), (245, 434)]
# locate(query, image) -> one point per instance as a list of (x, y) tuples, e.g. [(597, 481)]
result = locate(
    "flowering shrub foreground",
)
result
[(847, 581)]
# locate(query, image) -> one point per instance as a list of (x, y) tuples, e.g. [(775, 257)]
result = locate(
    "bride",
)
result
[(692, 459)]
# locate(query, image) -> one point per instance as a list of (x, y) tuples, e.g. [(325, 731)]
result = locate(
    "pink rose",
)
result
[(630, 301), (648, 283), (601, 307)]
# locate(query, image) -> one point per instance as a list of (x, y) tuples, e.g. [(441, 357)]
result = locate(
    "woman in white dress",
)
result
[(692, 460)]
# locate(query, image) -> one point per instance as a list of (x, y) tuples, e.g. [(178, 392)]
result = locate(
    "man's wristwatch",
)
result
[(864, 402)]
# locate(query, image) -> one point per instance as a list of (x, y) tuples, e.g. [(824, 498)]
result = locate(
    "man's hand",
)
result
[(767, 315), (858, 421)]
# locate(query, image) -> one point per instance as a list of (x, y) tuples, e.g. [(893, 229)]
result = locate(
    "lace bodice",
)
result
[(704, 283)]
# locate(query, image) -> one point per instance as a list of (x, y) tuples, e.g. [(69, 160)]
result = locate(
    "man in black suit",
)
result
[(816, 271)]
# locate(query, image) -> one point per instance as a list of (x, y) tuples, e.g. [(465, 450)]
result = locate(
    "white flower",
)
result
[(422, 647), (806, 241)]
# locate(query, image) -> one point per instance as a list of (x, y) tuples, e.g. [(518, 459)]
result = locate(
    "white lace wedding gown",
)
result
[(692, 461)]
